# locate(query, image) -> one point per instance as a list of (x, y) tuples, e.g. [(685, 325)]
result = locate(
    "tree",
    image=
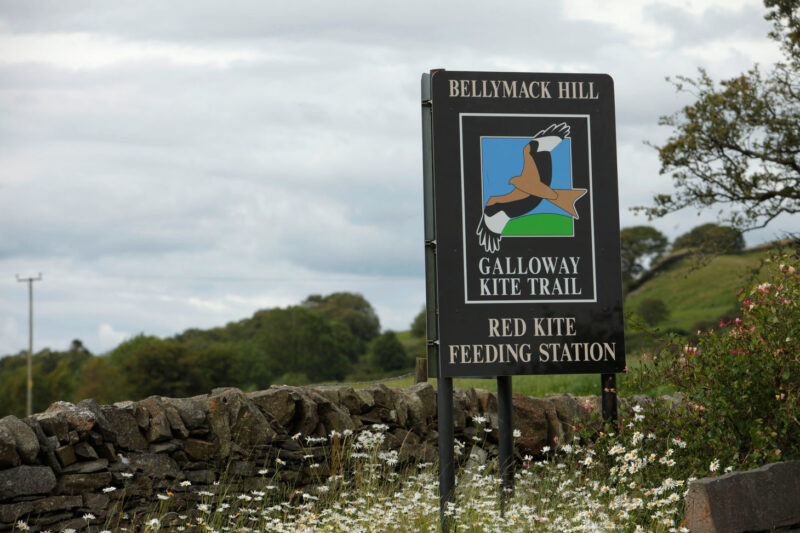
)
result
[(212, 367), (56, 376), (711, 238), (151, 366), (352, 310), (300, 341), (387, 352), (419, 324), (738, 144), (785, 25), (638, 246), (102, 380)]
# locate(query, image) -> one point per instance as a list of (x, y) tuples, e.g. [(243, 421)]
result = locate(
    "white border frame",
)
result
[(463, 203)]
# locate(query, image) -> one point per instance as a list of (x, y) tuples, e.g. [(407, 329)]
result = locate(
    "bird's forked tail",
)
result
[(566, 199), (488, 238)]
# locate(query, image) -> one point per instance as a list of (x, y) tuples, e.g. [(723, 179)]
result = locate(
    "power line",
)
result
[(30, 338)]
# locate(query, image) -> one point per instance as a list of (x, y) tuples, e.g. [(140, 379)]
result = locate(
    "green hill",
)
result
[(697, 292)]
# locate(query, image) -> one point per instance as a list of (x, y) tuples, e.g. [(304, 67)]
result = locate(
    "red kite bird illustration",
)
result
[(530, 188)]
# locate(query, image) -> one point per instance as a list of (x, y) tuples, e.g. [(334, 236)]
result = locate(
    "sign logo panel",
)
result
[(524, 239)]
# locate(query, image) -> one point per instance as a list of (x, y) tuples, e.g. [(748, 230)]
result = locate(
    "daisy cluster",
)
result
[(622, 481)]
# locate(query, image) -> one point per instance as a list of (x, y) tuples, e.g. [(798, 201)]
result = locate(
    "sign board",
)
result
[(526, 211)]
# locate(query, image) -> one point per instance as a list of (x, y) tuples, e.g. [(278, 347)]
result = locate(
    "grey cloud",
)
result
[(713, 23)]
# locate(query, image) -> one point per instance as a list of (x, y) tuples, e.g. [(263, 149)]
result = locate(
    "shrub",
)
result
[(742, 379), (653, 310), (387, 352)]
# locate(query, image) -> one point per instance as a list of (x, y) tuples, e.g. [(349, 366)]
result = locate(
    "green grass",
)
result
[(539, 224), (579, 384)]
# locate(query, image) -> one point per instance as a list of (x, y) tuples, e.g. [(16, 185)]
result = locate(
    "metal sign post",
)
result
[(522, 249), (609, 396), (444, 396), (505, 438)]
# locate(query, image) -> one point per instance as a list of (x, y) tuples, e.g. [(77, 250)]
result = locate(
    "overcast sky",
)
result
[(180, 164)]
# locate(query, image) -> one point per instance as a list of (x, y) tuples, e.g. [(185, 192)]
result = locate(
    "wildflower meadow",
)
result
[(625, 480)]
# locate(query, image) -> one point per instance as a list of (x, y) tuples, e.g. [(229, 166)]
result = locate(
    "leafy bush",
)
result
[(742, 380), (653, 310), (387, 352)]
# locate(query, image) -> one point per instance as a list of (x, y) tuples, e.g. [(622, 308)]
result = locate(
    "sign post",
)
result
[(505, 451), (521, 237)]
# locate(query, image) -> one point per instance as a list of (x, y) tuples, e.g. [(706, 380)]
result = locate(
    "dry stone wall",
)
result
[(59, 465)]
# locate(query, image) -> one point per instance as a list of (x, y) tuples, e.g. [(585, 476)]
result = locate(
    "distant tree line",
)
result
[(324, 338)]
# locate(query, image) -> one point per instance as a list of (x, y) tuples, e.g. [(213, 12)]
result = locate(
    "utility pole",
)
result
[(30, 338)]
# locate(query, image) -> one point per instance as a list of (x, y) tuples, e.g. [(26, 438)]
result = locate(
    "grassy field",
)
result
[(582, 384), (699, 290)]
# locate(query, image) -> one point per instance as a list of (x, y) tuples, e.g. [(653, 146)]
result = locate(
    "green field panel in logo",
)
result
[(545, 224)]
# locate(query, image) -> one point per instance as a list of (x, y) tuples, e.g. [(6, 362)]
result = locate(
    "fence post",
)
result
[(420, 370)]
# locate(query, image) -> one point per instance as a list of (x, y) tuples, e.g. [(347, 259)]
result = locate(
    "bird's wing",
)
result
[(548, 138), (513, 196), (559, 130), (530, 181)]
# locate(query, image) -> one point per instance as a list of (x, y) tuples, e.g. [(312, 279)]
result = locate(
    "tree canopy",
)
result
[(387, 352), (638, 246), (738, 144), (57, 375), (711, 238), (352, 310)]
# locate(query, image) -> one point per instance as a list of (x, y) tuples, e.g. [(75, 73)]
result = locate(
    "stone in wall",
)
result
[(25, 441), (122, 420), (763, 499), (8, 449), (26, 480)]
